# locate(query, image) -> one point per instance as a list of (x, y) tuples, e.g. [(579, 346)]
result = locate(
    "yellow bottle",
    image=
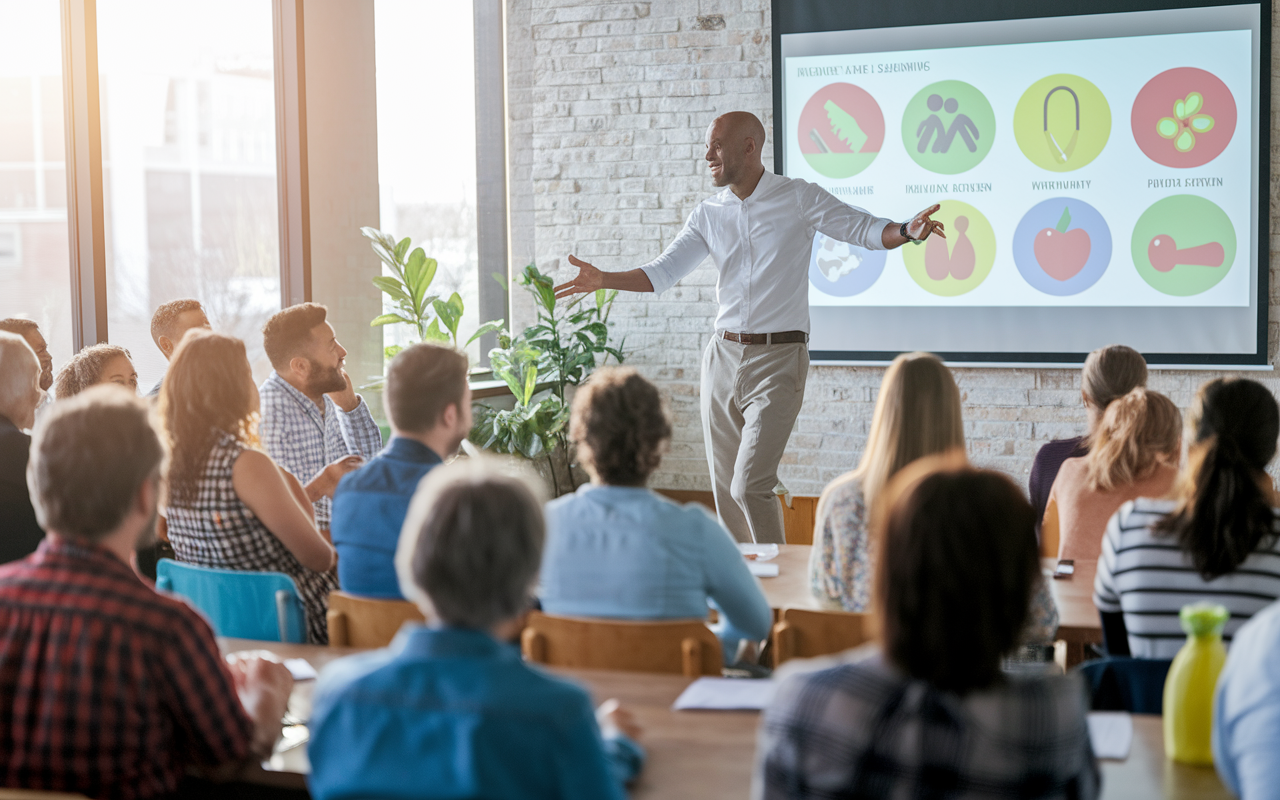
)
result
[(1189, 688)]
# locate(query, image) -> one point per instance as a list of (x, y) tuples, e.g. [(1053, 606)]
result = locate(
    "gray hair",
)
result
[(471, 544), (19, 368)]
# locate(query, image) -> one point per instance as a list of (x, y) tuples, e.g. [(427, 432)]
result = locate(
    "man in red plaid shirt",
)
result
[(108, 688)]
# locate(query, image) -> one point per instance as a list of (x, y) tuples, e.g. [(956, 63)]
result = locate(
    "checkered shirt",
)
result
[(863, 730), (304, 441), (216, 529), (107, 688)]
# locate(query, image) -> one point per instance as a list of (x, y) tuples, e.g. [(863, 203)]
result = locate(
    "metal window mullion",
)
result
[(291, 152), (85, 221), (491, 165)]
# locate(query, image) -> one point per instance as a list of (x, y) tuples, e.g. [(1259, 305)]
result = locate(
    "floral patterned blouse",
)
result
[(842, 561)]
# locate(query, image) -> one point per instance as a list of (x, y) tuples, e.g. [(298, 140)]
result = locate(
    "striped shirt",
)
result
[(1149, 578)]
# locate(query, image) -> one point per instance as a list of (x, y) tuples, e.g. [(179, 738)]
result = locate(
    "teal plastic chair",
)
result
[(241, 605)]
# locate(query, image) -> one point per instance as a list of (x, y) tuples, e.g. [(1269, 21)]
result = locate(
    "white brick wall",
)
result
[(609, 102)]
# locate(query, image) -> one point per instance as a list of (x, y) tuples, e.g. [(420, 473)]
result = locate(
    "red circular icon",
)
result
[(1184, 117)]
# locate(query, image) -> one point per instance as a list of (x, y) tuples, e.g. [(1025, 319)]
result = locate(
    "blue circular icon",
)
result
[(841, 269), (1062, 246)]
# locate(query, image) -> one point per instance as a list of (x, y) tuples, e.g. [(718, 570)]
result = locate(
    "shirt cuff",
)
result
[(659, 278), (877, 241), (360, 405)]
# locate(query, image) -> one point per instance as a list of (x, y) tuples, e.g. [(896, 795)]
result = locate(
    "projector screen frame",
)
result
[(805, 16)]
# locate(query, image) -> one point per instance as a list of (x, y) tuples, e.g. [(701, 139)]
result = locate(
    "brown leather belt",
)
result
[(786, 337)]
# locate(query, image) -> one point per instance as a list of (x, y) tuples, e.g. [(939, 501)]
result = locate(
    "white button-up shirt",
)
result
[(761, 246)]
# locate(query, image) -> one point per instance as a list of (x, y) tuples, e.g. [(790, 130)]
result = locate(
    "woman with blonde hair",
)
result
[(1133, 452), (95, 364), (229, 505)]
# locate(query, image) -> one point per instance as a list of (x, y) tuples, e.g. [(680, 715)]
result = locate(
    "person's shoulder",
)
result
[(1061, 449), (15, 449), (349, 672), (842, 491), (850, 685), (1143, 512), (1061, 700), (552, 695)]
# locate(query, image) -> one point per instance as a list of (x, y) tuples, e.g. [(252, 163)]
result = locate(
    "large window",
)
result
[(189, 152), (34, 268), (427, 141)]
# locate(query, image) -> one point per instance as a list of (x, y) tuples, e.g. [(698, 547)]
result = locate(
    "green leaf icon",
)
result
[(845, 127), (1064, 221)]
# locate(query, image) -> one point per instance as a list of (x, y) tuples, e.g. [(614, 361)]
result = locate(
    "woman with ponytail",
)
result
[(1214, 538), (1133, 452)]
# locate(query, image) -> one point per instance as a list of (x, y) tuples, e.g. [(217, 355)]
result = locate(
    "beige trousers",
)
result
[(751, 396)]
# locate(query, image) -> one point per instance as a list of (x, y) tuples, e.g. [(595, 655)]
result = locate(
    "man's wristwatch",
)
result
[(903, 231)]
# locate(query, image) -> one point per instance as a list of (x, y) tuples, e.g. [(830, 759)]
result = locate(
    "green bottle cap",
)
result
[(1203, 619)]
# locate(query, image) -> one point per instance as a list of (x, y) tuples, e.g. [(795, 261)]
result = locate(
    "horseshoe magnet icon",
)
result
[(1061, 154)]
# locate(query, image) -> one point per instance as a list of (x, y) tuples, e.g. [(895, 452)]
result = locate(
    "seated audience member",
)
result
[(108, 688), (95, 364), (1133, 452), (927, 712), (1109, 372), (170, 321), (30, 331), (428, 402), (917, 414), (229, 505), (449, 710), (20, 395), (616, 549), (1246, 711), (1214, 539), (313, 422)]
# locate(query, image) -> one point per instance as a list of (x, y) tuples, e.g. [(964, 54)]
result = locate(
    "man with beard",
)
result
[(30, 331), (759, 232), (313, 422)]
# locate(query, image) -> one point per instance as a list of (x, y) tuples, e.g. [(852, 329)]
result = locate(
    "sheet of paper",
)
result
[(300, 669), (726, 694), (1111, 733), (763, 570), (762, 552)]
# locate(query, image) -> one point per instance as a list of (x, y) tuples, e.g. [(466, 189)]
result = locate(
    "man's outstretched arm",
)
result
[(590, 279), (681, 257)]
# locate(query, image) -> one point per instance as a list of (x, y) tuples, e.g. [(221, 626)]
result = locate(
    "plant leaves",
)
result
[(486, 327), (388, 319), (391, 286), (434, 334), (402, 248), (1064, 221)]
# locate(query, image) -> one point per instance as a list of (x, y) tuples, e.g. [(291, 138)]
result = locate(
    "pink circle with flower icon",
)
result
[(1184, 117)]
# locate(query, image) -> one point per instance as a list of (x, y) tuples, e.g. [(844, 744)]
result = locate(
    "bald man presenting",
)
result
[(759, 232)]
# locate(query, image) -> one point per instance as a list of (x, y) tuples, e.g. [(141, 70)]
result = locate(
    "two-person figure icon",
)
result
[(961, 126)]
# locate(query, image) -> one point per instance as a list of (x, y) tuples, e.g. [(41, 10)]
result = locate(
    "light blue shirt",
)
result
[(1246, 712), (629, 553), (452, 713)]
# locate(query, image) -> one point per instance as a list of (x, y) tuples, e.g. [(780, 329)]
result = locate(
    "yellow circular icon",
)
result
[(1062, 122)]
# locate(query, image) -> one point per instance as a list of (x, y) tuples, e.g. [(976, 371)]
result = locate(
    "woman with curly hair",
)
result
[(229, 505), (617, 549), (95, 364)]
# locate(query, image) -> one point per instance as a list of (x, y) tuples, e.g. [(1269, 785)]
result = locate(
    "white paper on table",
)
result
[(726, 694), (300, 669), (765, 570), (762, 552), (1111, 733)]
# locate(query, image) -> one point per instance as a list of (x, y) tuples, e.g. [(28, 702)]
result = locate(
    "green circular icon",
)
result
[(959, 263), (1062, 122), (948, 127), (1184, 245)]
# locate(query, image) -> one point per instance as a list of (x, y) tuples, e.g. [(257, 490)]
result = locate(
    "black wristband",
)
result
[(903, 230)]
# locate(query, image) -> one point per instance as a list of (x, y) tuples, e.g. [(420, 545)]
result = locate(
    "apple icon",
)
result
[(1062, 253)]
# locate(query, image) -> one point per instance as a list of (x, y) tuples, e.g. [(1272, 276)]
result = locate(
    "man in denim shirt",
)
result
[(429, 405)]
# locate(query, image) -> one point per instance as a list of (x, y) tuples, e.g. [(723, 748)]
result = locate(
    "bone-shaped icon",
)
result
[(959, 262), (1164, 255)]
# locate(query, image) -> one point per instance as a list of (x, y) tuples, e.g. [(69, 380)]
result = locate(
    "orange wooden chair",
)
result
[(366, 622), (804, 634), (685, 647)]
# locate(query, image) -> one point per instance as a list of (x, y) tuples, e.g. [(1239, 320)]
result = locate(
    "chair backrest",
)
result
[(686, 647), (1049, 531), (242, 605), (804, 634), (365, 621), (1120, 683)]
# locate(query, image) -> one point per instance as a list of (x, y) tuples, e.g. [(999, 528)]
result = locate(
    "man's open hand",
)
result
[(921, 225), (589, 280)]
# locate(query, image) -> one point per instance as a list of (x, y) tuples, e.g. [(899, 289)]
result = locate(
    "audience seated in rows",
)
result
[(108, 688), (1133, 452), (917, 414), (927, 712), (428, 402), (1214, 539), (169, 323), (30, 331), (617, 549), (20, 395), (1109, 372), (229, 505), (96, 364), (449, 710), (313, 422)]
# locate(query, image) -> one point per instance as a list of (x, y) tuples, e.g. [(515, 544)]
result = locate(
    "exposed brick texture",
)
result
[(609, 102)]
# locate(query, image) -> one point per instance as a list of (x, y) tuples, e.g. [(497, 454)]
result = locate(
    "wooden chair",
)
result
[(804, 634), (366, 622), (1049, 531), (799, 519), (686, 647)]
